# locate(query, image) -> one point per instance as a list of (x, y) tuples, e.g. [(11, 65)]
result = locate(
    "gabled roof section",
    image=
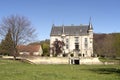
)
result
[(69, 30), (28, 48)]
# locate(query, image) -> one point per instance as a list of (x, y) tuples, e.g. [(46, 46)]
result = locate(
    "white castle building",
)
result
[(78, 39)]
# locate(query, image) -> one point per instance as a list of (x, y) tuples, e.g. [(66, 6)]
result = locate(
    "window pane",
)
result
[(76, 40)]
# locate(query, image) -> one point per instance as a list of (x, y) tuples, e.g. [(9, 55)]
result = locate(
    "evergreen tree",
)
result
[(45, 48), (7, 45)]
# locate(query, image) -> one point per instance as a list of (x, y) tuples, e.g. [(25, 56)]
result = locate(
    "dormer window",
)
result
[(59, 32)]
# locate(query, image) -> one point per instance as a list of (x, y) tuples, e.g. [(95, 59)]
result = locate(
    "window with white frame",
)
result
[(86, 40), (86, 43), (76, 40), (67, 43)]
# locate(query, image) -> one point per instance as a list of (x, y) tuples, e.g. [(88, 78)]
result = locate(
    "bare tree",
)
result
[(104, 45), (98, 44), (21, 29), (108, 46)]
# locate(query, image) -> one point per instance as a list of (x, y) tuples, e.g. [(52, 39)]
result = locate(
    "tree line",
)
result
[(107, 45)]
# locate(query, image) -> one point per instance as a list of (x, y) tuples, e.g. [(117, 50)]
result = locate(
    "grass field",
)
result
[(15, 70)]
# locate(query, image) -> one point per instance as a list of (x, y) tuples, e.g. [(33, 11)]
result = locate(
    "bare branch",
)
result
[(20, 26)]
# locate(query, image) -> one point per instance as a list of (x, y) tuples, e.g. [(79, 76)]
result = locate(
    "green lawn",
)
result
[(109, 60), (15, 70)]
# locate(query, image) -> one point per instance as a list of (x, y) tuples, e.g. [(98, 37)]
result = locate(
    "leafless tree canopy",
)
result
[(20, 26)]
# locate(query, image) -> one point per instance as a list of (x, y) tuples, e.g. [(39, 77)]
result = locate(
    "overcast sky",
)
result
[(105, 14)]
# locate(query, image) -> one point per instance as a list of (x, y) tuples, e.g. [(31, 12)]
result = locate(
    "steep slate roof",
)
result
[(28, 48), (70, 30)]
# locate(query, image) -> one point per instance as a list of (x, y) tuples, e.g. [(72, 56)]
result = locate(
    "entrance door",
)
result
[(76, 61)]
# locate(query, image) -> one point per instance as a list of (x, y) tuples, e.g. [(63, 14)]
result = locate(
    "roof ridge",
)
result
[(72, 25)]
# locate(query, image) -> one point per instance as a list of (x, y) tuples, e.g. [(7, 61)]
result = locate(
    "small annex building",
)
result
[(33, 50)]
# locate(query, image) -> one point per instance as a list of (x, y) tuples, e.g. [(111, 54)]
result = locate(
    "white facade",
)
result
[(80, 44)]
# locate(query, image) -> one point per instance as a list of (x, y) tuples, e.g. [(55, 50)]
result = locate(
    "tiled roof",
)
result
[(70, 30), (28, 48)]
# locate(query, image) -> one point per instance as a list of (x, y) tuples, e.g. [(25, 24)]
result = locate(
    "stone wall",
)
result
[(50, 60), (63, 60), (90, 61)]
